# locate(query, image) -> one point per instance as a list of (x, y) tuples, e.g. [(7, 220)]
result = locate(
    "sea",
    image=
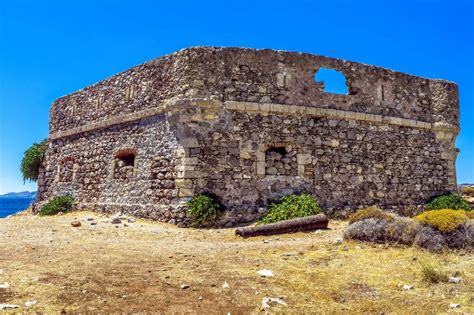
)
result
[(13, 205)]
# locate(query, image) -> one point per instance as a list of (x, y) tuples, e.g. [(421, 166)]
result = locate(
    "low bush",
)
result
[(395, 229), (370, 213), (431, 274), (203, 209), (32, 159), (445, 220), (291, 207), (401, 230), (407, 231), (429, 238), (461, 238), (367, 230), (448, 201), (57, 204)]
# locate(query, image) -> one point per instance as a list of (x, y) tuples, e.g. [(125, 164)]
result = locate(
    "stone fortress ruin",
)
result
[(250, 126)]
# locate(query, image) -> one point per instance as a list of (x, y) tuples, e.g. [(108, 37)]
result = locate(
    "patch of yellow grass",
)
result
[(357, 278), (369, 213), (445, 220)]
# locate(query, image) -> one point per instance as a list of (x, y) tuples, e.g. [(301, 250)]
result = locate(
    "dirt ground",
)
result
[(141, 268)]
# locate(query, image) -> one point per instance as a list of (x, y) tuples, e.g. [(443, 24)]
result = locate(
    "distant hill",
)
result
[(19, 195)]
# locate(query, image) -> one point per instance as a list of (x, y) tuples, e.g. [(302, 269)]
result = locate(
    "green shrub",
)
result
[(203, 209), (57, 204), (444, 220), (370, 213), (290, 207), (448, 201), (32, 159), (431, 274)]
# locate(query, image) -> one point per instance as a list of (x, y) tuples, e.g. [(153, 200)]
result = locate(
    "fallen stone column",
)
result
[(314, 222)]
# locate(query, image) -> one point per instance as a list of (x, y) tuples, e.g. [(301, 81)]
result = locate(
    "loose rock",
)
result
[(76, 223), (115, 221), (30, 303), (5, 285), (269, 301), (265, 273), (5, 306), (454, 280), (185, 286)]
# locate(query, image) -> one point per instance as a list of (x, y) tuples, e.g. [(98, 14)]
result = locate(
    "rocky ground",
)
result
[(49, 266)]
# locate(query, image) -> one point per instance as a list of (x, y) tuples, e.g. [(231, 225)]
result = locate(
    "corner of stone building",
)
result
[(445, 101), (185, 115), (445, 125)]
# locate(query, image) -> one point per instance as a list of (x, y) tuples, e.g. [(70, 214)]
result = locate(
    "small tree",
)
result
[(32, 159)]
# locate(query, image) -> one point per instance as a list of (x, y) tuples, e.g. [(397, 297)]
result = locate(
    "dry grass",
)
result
[(431, 274), (370, 213), (468, 191), (141, 268)]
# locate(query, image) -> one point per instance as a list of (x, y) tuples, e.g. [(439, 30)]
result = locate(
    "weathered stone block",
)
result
[(260, 168), (189, 143), (303, 159), (185, 192), (244, 154), (183, 183)]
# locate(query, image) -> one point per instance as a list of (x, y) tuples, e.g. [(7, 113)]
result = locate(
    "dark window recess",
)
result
[(127, 160), (124, 163), (281, 160), (279, 150)]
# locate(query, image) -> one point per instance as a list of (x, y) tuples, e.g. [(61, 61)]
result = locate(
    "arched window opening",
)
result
[(333, 81)]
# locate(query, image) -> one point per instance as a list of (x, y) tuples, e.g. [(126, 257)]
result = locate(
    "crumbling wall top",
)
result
[(261, 76)]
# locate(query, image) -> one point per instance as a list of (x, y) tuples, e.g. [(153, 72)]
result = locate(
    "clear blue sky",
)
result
[(52, 48)]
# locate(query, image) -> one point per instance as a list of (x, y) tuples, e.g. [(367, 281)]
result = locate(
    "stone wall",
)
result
[(250, 126), (345, 162), (103, 180)]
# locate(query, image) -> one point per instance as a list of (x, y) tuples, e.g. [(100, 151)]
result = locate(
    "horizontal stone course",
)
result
[(258, 108)]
